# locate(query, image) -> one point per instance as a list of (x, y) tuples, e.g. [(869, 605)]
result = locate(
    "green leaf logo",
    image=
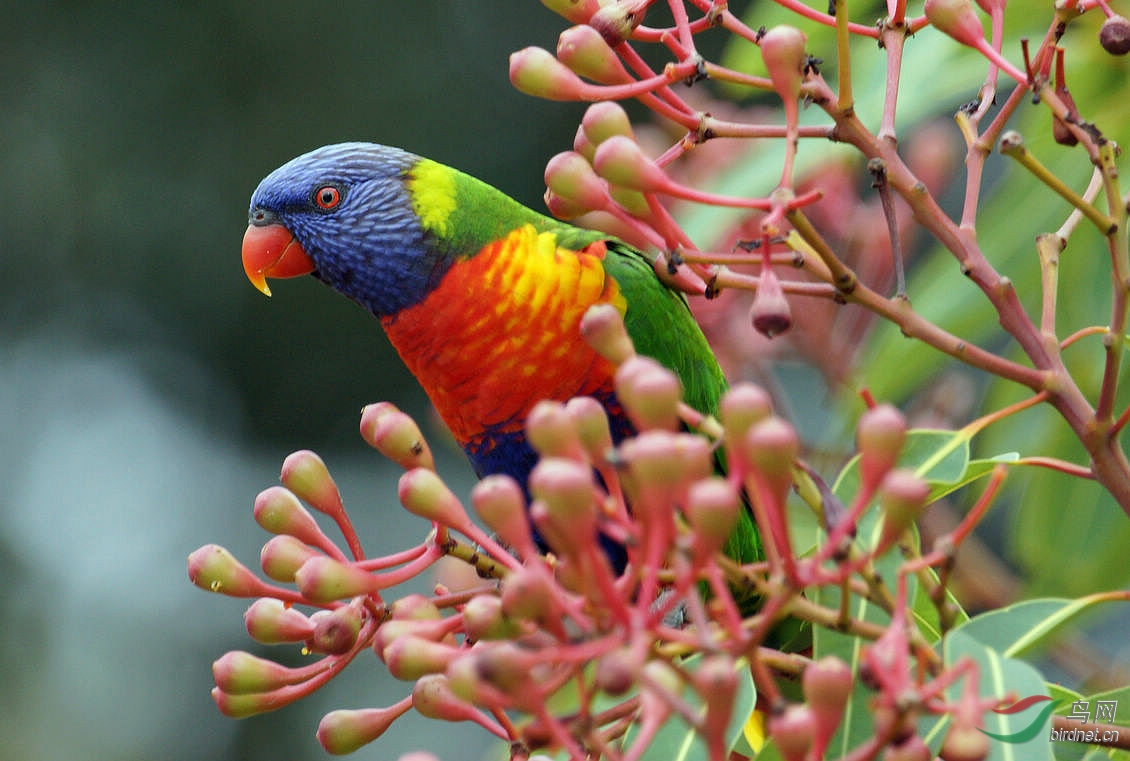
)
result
[(1032, 729)]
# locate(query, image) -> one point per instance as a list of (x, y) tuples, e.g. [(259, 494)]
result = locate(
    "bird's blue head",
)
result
[(344, 214)]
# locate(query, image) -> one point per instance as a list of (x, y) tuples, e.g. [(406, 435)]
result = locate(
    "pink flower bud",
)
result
[(408, 658), (575, 11), (483, 619), (770, 313), (617, 671), (773, 446), (957, 19), (343, 731), (239, 673), (305, 474), (712, 510), (650, 394), (504, 666), (902, 497), (214, 569), (560, 208), (620, 160), (278, 510), (792, 731), (552, 432), (432, 697), (395, 435), (827, 685), (423, 493), (567, 489), (322, 579), (782, 50), (879, 437), (569, 176), (616, 21), (271, 622), (1114, 35), (433, 630), (964, 743), (605, 120), (415, 607), (603, 329), (591, 422), (498, 500), (536, 72), (240, 706), (335, 631), (716, 681), (583, 50), (283, 555), (741, 407), (529, 595), (662, 459)]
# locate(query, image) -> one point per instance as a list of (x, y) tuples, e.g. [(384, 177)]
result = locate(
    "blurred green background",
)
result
[(147, 392)]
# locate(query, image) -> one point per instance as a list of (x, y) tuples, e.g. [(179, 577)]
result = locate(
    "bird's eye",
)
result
[(327, 197)]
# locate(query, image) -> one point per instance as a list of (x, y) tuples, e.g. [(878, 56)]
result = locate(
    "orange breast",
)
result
[(502, 332)]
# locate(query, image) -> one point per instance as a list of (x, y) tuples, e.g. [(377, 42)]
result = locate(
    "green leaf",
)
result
[(998, 677), (1024, 628), (675, 741)]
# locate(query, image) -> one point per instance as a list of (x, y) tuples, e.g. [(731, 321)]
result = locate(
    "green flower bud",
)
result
[(343, 731), (305, 474), (536, 72), (240, 673), (605, 120), (322, 579), (583, 50), (424, 493), (484, 619), (408, 658), (621, 161), (432, 697), (278, 511), (395, 435), (214, 569), (283, 555), (570, 177), (498, 500), (575, 11), (271, 622)]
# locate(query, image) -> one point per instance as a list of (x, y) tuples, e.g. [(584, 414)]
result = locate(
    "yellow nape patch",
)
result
[(432, 189)]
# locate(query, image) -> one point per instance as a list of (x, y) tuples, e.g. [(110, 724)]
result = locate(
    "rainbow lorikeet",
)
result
[(481, 296)]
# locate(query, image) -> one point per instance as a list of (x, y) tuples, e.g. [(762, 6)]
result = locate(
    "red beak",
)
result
[(271, 251)]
